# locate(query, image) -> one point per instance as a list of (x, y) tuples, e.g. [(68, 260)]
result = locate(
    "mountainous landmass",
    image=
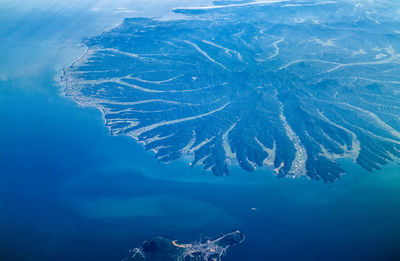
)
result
[(287, 84)]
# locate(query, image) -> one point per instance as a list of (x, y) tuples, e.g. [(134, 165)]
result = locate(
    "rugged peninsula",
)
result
[(294, 85)]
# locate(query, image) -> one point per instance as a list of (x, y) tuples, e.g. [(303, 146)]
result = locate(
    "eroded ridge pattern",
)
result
[(162, 249), (292, 85)]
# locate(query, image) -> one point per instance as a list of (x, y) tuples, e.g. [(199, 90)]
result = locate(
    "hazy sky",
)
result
[(138, 7)]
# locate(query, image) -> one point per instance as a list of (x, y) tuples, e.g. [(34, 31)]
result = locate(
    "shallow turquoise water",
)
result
[(70, 191)]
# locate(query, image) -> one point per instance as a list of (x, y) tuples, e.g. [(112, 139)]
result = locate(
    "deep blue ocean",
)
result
[(70, 191)]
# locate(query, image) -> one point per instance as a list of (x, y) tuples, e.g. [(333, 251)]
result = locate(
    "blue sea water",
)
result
[(70, 191)]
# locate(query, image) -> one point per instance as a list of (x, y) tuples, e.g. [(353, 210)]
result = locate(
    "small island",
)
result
[(170, 250)]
